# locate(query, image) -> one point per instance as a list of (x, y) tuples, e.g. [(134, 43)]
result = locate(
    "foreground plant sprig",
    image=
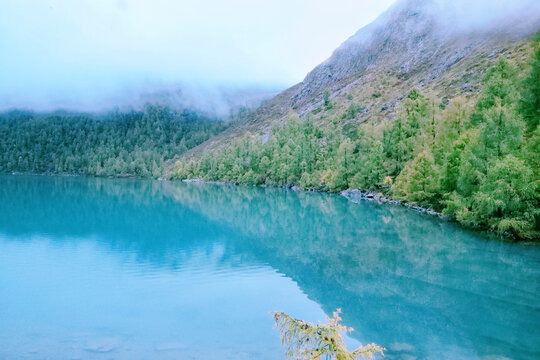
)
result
[(306, 341)]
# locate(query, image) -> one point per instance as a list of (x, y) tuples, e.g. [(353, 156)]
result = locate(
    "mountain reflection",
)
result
[(418, 286), (410, 282)]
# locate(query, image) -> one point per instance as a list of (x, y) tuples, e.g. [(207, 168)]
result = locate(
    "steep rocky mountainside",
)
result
[(414, 44)]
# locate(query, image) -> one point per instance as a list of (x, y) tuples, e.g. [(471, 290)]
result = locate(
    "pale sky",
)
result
[(60, 50)]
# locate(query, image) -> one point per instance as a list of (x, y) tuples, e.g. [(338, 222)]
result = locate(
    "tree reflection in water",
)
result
[(416, 285)]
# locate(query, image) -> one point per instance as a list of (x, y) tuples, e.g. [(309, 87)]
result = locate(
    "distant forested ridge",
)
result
[(135, 143), (476, 159)]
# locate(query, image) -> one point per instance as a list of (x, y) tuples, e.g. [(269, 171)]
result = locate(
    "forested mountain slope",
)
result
[(409, 107), (134, 143), (414, 44)]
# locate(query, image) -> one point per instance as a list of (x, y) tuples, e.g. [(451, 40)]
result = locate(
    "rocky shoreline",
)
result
[(356, 195), (201, 181)]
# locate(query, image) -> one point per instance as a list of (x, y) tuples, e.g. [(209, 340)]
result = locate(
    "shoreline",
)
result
[(352, 195), (356, 196)]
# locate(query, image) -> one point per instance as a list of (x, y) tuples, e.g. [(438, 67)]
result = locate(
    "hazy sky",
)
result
[(52, 51)]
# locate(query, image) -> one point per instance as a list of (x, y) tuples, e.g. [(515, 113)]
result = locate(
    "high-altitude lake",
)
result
[(136, 269)]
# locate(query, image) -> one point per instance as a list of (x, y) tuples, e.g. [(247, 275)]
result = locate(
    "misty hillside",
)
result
[(418, 108), (223, 103), (414, 44)]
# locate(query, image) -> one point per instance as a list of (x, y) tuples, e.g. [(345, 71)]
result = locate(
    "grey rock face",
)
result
[(413, 36)]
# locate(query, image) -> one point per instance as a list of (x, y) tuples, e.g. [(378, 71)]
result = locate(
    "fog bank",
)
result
[(88, 54)]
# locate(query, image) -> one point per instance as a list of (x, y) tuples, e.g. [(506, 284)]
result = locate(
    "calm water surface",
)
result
[(133, 269)]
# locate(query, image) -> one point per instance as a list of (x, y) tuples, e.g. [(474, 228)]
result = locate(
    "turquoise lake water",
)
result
[(139, 269)]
